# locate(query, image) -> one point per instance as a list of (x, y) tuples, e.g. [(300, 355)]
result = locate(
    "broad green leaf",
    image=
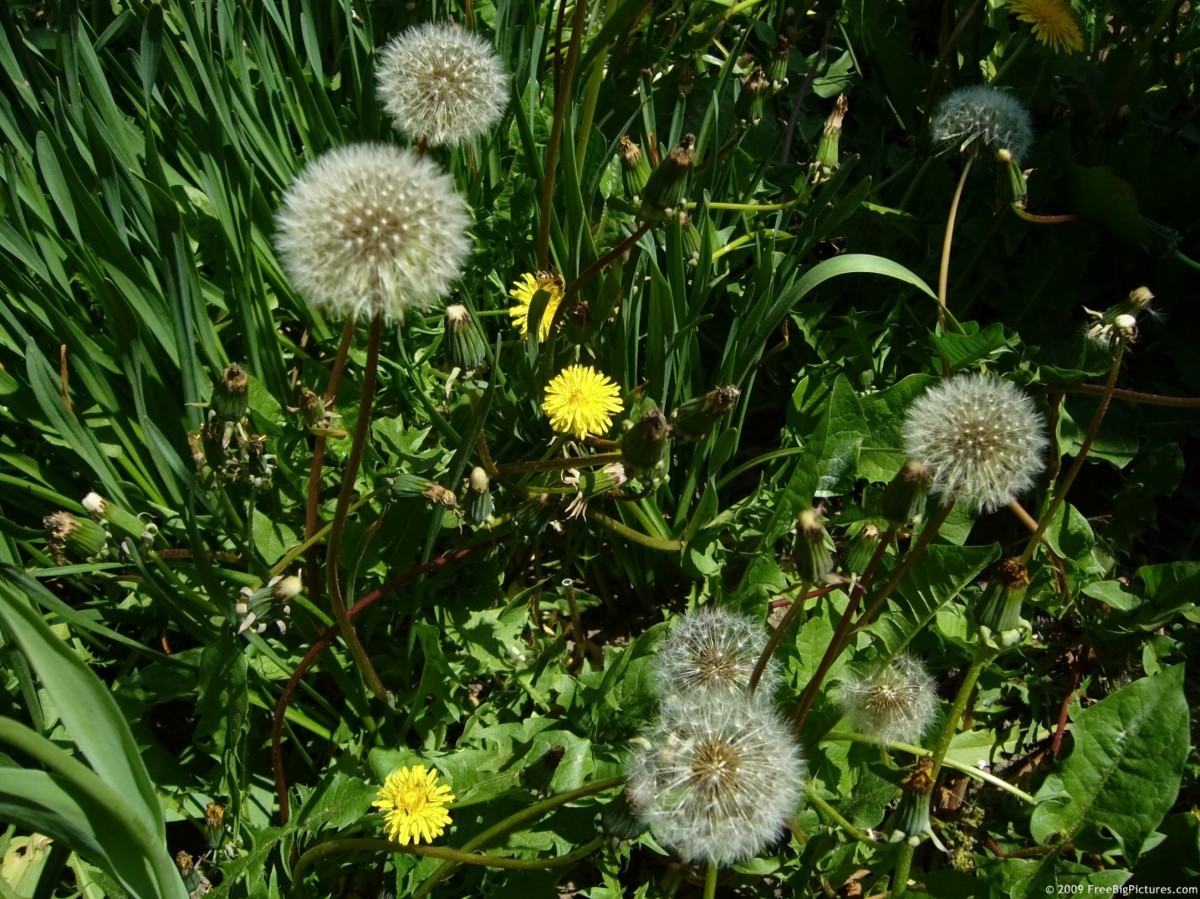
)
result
[(1169, 589), (882, 454), (961, 350), (1124, 769)]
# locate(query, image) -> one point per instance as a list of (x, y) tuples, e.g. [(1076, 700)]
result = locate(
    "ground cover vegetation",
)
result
[(620, 448)]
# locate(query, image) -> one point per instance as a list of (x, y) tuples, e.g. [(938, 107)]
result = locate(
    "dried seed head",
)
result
[(979, 115), (895, 705), (711, 653)]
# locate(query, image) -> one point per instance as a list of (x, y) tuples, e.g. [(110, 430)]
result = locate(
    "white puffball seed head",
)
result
[(441, 84), (980, 436), (895, 705), (981, 113), (372, 228), (711, 653)]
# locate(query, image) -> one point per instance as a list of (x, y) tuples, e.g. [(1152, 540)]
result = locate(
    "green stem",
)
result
[(903, 866), (777, 635), (301, 548), (595, 81), (947, 240), (562, 93), (911, 749), (982, 655), (1077, 464), (338, 526), (710, 881), (914, 554), (617, 527), (457, 856), (750, 207), (746, 238), (1131, 396), (1011, 58), (834, 815), (557, 464), (511, 823)]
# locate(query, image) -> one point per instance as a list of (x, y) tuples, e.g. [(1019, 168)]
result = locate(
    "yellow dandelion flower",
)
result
[(413, 802), (523, 291), (581, 400), (1053, 23)]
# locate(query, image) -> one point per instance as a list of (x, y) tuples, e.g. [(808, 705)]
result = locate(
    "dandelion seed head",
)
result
[(372, 228), (442, 84), (981, 437), (716, 782), (895, 705), (987, 114), (712, 652)]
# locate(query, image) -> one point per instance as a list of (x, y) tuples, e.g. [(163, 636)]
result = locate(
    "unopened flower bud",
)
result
[(777, 68), (121, 520), (479, 502), (538, 775), (693, 419), (826, 161), (910, 823), (464, 340), (579, 323), (860, 550), (72, 538), (231, 394), (755, 87), (668, 182), (903, 499), (592, 483), (312, 409), (1000, 622), (644, 443), (811, 556), (635, 168), (267, 605)]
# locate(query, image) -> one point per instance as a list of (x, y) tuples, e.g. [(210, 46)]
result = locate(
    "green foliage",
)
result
[(178, 693)]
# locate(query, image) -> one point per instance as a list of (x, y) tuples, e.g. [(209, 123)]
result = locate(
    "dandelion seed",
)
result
[(986, 115), (980, 436), (414, 805), (717, 782), (581, 400), (1053, 23), (373, 228), (441, 84), (711, 653), (895, 705), (523, 291)]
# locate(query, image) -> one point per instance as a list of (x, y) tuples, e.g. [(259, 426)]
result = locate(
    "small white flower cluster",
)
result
[(985, 114), (719, 772), (894, 705), (982, 438)]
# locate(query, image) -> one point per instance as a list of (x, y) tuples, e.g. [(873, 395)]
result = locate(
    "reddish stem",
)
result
[(326, 638)]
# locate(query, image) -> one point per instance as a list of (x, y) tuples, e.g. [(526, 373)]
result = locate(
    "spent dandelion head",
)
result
[(894, 705), (711, 654), (441, 84), (414, 805), (981, 438), (717, 781), (581, 400), (372, 228), (524, 289), (978, 114), (1053, 23)]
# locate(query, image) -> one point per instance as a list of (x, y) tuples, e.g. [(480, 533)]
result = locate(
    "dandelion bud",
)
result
[(777, 68), (668, 182), (644, 443), (716, 782), (895, 705), (268, 605), (1018, 186), (1000, 622), (980, 436), (74, 538), (1117, 325), (311, 408), (755, 86), (464, 341), (903, 499), (410, 486), (811, 556), (579, 323), (910, 823), (635, 168), (690, 238), (826, 161), (441, 84), (1140, 297), (977, 116), (693, 419), (860, 550), (710, 655), (479, 497), (231, 394), (121, 520), (592, 483), (538, 775), (214, 823), (619, 820)]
